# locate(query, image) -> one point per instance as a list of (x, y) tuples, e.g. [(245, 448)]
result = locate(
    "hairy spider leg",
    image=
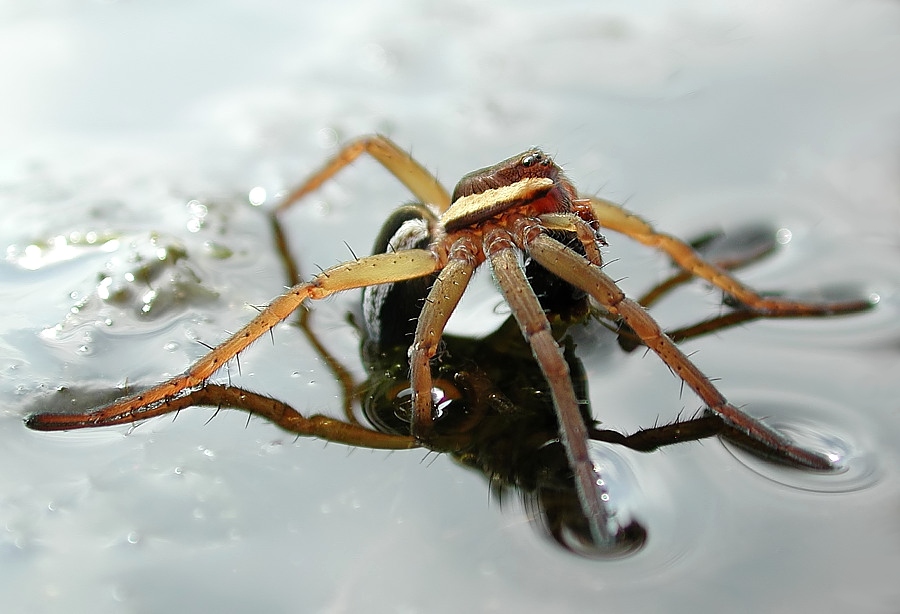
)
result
[(503, 254), (618, 219), (575, 269), (377, 269), (728, 261), (421, 182), (443, 297)]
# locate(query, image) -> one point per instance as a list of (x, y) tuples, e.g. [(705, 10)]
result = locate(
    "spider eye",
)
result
[(534, 157)]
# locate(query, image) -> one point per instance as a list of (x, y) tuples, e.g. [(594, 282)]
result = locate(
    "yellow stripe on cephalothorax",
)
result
[(474, 208)]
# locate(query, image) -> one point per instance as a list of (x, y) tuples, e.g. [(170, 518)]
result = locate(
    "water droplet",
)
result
[(327, 138), (119, 594), (103, 288), (257, 196), (377, 59), (783, 235)]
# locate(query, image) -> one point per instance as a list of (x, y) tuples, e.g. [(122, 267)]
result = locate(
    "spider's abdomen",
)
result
[(390, 310)]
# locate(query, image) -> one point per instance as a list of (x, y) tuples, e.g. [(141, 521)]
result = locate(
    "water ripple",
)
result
[(819, 425)]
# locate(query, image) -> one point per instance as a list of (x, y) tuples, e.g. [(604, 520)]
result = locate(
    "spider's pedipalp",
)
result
[(589, 237)]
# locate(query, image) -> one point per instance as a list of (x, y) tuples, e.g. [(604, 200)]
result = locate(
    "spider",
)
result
[(523, 208)]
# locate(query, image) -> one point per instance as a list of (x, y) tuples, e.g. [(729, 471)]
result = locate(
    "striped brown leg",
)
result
[(614, 217), (442, 299), (399, 163), (368, 271), (575, 269), (528, 312)]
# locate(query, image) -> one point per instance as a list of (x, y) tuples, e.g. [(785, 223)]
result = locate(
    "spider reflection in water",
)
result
[(544, 244)]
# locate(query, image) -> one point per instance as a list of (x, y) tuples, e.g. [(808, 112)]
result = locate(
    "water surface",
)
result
[(135, 136)]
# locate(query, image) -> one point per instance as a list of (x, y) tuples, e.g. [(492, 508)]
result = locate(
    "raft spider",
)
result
[(522, 207)]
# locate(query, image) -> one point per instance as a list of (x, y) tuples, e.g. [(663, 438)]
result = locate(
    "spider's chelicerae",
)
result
[(524, 204)]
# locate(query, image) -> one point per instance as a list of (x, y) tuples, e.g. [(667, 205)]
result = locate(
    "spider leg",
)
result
[(573, 268), (629, 341), (399, 163), (712, 325), (650, 439), (614, 217), (590, 239), (526, 308), (442, 299), (340, 373), (281, 414), (372, 270), (753, 244)]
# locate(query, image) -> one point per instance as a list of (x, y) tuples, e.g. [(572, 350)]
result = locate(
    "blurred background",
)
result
[(142, 143)]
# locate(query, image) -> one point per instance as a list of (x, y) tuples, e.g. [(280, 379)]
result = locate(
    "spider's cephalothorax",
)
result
[(523, 205), (529, 184)]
